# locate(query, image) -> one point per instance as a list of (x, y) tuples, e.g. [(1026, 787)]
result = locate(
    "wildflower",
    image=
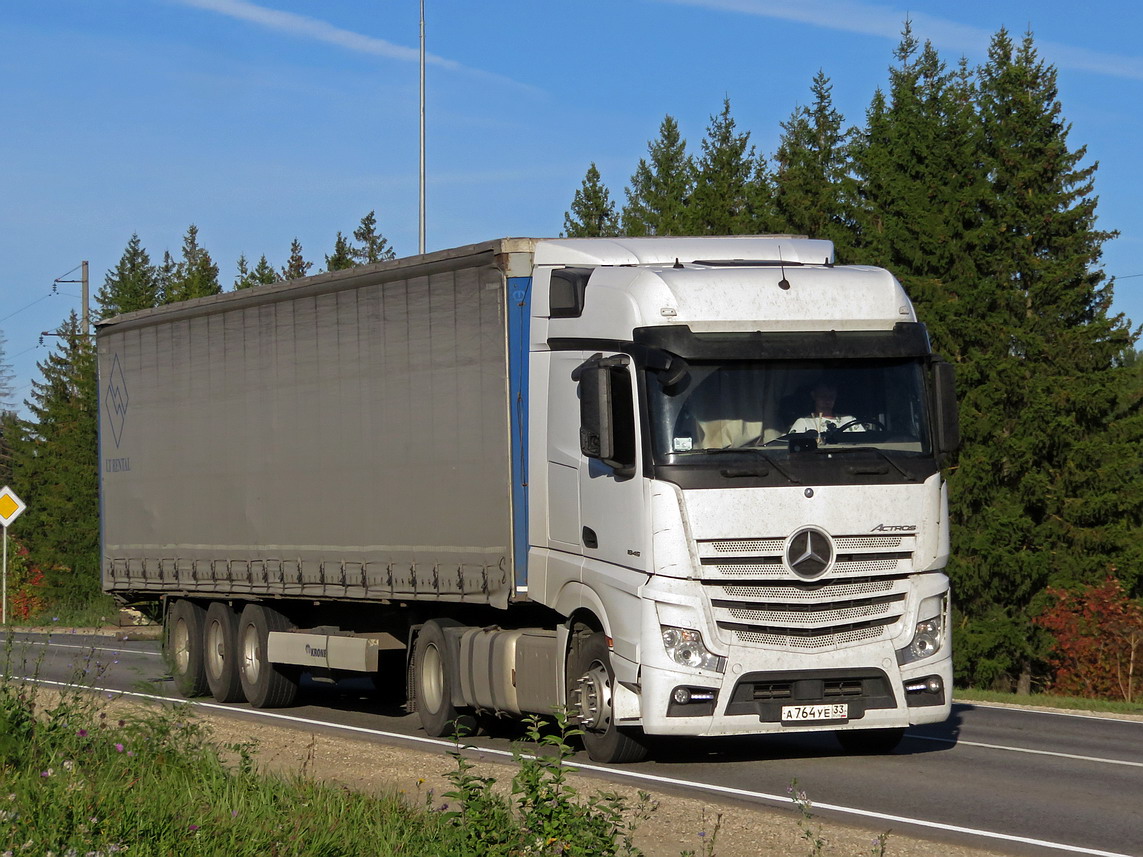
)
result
[(82, 733), (192, 827), (234, 813), (69, 765), (118, 748), (48, 772)]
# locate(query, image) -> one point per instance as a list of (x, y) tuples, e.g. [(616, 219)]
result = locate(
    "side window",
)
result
[(568, 292)]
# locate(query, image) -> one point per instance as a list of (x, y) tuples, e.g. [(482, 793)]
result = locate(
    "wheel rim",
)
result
[(251, 654), (215, 649), (180, 646), (432, 678), (593, 698)]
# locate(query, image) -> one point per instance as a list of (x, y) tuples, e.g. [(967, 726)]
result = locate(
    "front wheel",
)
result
[(590, 684)]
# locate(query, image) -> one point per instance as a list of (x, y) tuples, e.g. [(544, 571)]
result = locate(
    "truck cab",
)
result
[(749, 565)]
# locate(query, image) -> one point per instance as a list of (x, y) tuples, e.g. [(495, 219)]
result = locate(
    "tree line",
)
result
[(962, 181)]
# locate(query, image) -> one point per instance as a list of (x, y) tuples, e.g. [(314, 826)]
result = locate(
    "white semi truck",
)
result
[(531, 473)]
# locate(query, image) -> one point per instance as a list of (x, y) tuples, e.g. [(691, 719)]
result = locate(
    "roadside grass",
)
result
[(1048, 701), (78, 780)]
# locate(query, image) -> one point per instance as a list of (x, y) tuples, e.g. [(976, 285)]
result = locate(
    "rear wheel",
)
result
[(264, 684), (869, 742), (432, 682), (591, 681), (221, 653), (183, 647)]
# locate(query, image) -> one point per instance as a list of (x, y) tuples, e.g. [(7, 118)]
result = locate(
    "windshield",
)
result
[(782, 409)]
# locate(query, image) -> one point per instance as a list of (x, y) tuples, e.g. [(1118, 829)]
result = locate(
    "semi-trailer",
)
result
[(675, 486)]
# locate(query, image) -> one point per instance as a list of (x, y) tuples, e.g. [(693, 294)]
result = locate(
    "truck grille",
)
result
[(757, 599)]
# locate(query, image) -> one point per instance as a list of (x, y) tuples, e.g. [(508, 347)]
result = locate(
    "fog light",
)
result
[(932, 684), (682, 695)]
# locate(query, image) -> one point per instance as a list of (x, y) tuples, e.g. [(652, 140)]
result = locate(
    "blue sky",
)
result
[(264, 121)]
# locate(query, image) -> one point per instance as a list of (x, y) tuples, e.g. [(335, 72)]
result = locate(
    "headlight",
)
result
[(928, 634), (686, 647)]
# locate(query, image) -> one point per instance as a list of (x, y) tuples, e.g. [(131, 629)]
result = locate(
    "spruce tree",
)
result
[(342, 255), (165, 278), (56, 468), (812, 185), (660, 190), (7, 378), (262, 274), (727, 181), (1049, 488), (296, 267), (374, 246), (196, 276), (131, 285), (592, 213)]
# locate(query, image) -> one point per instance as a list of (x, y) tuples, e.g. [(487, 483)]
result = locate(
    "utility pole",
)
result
[(421, 231), (85, 310)]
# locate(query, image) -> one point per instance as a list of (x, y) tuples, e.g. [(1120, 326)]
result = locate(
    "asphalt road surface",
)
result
[(1011, 780)]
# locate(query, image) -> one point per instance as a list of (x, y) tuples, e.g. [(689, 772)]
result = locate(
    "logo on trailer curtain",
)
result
[(115, 400)]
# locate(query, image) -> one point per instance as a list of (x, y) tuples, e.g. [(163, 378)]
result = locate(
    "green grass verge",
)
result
[(1048, 701)]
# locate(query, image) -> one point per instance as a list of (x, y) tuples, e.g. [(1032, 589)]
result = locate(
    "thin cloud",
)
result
[(870, 19), (305, 27)]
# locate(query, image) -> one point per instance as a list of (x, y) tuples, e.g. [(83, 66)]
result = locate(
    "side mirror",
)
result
[(945, 407), (606, 413)]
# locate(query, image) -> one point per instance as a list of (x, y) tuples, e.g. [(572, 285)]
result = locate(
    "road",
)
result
[(1011, 780)]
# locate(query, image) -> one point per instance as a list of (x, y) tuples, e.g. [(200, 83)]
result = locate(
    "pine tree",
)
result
[(592, 213), (812, 185), (727, 177), (56, 468), (243, 279), (196, 276), (342, 255), (374, 247), (131, 285), (296, 267), (660, 191)]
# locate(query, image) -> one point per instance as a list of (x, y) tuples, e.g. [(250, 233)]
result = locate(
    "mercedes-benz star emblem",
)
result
[(809, 552)]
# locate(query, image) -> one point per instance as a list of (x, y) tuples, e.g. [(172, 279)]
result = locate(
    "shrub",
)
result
[(1098, 641)]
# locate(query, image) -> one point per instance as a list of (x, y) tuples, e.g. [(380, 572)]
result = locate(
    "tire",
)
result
[(590, 682), (183, 647), (265, 685), (869, 742), (432, 686), (220, 653)]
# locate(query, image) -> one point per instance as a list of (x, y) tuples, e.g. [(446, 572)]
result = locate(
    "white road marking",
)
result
[(625, 774), (51, 645), (960, 742)]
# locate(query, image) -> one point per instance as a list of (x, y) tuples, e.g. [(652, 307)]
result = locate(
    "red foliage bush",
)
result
[(1098, 633)]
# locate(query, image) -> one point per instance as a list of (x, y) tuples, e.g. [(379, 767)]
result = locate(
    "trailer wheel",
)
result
[(432, 682), (221, 653), (869, 742), (590, 683), (264, 684), (183, 647)]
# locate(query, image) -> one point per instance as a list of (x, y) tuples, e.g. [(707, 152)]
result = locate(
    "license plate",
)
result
[(800, 713)]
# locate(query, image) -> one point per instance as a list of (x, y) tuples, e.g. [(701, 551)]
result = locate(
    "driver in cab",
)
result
[(824, 419)]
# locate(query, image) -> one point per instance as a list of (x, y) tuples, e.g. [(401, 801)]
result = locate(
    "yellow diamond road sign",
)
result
[(10, 506)]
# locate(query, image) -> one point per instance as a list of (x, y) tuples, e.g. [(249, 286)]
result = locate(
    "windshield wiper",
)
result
[(753, 451), (832, 450)]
